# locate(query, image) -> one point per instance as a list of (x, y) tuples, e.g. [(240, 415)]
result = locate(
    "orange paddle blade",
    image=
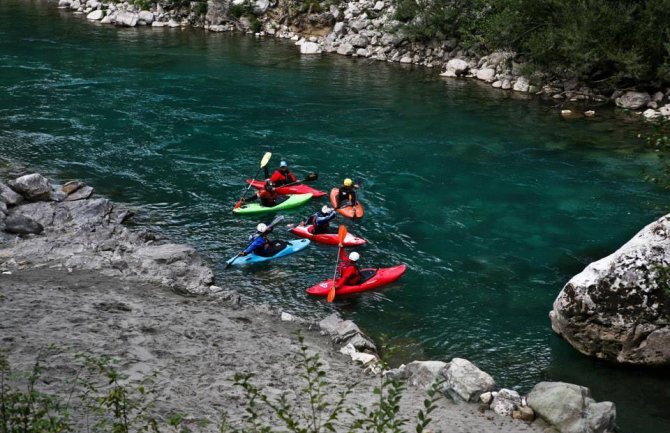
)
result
[(238, 204), (331, 293), (342, 233)]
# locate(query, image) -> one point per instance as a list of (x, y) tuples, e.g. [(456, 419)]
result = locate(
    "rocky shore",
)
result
[(72, 274), (368, 29)]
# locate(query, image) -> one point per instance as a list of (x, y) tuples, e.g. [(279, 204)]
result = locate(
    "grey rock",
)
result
[(359, 41), (521, 84), (633, 100), (310, 48), (146, 16), (466, 381), (80, 194), (617, 309), (339, 28), (330, 324), (657, 97), (456, 68), (422, 374), (22, 225), (32, 186), (125, 18), (345, 49), (524, 413), (571, 409), (9, 196), (362, 343), (346, 330), (95, 15), (72, 186), (378, 6), (505, 402), (261, 6), (486, 74)]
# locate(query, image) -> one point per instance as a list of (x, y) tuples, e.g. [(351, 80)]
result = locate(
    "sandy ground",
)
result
[(194, 345)]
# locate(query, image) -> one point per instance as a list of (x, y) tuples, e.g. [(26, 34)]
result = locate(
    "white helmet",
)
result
[(326, 209), (354, 256), (261, 228)]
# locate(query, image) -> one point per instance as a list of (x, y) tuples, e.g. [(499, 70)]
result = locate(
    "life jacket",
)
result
[(279, 178), (268, 198), (346, 194)]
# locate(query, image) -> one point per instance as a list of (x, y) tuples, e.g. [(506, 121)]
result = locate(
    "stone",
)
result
[(521, 84), (486, 398), (80, 194), (505, 402), (524, 413), (657, 97), (422, 374), (286, 317), (310, 48), (75, 4), (330, 324), (650, 113), (390, 39), (566, 113), (590, 113), (466, 381), (162, 24), (72, 186), (261, 6), (32, 186), (364, 358), (362, 52), (64, 3), (346, 330), (124, 18), (359, 41), (108, 19), (665, 110), (506, 84), (571, 409), (3, 208), (22, 225), (497, 84), (362, 343), (345, 49), (172, 23), (617, 308), (96, 15), (486, 74), (633, 100), (146, 16), (379, 5), (456, 67), (406, 59), (339, 28), (9, 196)]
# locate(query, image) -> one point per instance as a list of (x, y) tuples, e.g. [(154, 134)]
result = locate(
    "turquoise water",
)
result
[(492, 202)]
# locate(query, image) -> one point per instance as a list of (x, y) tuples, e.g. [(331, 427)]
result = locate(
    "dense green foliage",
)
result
[(616, 42)]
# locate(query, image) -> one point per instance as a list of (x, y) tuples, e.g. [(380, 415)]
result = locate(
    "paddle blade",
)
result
[(342, 233), (331, 294), (266, 159), (238, 204)]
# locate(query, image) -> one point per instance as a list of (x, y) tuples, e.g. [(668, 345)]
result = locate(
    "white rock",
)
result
[(405, 59), (487, 74), (486, 398), (146, 16), (665, 111), (505, 402), (172, 23), (93, 4), (378, 6), (96, 15), (651, 114), (589, 113), (286, 317), (162, 24), (521, 84), (125, 18), (64, 3), (338, 28), (362, 52), (497, 84), (108, 19), (456, 68)]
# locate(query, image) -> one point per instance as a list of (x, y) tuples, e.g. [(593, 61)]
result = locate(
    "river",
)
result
[(492, 200)]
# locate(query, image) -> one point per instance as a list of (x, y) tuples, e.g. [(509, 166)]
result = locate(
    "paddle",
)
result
[(264, 162), (274, 222), (341, 234), (311, 177)]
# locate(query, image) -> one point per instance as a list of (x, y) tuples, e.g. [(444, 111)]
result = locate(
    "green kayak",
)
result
[(291, 202)]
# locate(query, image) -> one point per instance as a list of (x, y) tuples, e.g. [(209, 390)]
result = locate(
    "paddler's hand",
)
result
[(242, 253), (341, 245)]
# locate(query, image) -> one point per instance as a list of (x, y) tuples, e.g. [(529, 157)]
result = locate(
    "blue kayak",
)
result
[(291, 247)]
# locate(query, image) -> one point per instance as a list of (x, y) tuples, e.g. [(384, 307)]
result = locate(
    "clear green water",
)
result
[(494, 203)]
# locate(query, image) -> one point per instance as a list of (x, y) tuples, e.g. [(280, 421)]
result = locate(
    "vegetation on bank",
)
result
[(611, 43), (99, 399)]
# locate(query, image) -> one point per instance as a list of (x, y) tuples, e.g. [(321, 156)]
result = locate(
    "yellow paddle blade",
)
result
[(266, 159)]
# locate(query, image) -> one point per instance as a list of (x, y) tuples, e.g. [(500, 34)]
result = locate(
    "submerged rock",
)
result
[(571, 409), (618, 308)]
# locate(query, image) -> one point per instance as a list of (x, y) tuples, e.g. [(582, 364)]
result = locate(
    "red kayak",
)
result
[(375, 278), (287, 190), (327, 238)]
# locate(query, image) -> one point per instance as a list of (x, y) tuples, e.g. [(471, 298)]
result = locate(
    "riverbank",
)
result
[(368, 29), (55, 253)]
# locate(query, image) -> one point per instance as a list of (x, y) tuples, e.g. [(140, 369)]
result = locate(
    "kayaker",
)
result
[(347, 193), (268, 195), (282, 176), (260, 245), (349, 273), (320, 221)]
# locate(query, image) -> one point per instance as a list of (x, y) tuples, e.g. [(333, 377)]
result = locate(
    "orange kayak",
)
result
[(346, 211)]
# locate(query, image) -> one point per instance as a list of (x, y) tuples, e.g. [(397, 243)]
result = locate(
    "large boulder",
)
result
[(633, 100), (465, 380), (22, 225), (9, 196), (125, 18), (32, 186), (147, 17), (456, 68), (570, 408), (521, 85), (618, 308), (423, 374), (486, 74), (310, 48), (96, 15)]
